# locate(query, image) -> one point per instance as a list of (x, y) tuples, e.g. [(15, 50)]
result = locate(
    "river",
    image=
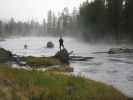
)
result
[(112, 69)]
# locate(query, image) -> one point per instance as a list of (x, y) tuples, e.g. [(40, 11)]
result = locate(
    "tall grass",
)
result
[(43, 61), (50, 85)]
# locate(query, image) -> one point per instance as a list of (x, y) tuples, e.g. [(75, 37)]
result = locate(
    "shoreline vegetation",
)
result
[(43, 61), (21, 84)]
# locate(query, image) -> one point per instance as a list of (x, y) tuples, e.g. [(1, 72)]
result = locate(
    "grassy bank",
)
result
[(43, 61), (21, 84)]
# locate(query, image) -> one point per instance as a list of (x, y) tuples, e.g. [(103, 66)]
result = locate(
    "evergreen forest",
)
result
[(98, 20)]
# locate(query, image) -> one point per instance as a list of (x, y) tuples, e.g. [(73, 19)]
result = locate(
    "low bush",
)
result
[(43, 61)]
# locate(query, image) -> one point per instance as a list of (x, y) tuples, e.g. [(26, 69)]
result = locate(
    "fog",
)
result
[(23, 10)]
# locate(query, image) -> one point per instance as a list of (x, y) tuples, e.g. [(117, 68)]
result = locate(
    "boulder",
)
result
[(4, 54), (50, 45), (115, 50), (120, 50), (62, 55)]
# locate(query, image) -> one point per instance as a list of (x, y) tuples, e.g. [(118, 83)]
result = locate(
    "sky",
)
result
[(24, 10)]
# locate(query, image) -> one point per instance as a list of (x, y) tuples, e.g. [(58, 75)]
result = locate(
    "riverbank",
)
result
[(20, 84), (110, 69), (2, 38), (7, 37)]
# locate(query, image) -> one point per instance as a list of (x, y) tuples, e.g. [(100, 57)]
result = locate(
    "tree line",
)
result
[(59, 25), (105, 19), (98, 19)]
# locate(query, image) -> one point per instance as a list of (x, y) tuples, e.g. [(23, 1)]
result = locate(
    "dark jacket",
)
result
[(61, 40)]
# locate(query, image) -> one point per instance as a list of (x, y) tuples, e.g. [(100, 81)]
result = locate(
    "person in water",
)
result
[(25, 46), (61, 42)]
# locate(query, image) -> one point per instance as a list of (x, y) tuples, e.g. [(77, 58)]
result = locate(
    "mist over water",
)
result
[(112, 69)]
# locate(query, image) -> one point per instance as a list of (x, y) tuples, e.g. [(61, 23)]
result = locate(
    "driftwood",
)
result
[(70, 52), (79, 58), (98, 52), (21, 59)]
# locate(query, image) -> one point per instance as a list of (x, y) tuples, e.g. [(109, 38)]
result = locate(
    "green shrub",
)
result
[(43, 61)]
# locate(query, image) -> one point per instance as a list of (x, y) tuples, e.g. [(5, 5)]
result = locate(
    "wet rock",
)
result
[(4, 54), (120, 50), (115, 50), (50, 45), (62, 55)]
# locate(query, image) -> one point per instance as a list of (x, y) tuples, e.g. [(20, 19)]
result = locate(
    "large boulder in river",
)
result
[(120, 50), (50, 45), (63, 55), (115, 50), (4, 54)]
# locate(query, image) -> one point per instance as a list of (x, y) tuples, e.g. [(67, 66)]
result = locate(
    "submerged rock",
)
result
[(50, 45)]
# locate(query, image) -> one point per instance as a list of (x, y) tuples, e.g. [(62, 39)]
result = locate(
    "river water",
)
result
[(112, 69)]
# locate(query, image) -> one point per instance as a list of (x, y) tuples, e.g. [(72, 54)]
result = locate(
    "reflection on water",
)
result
[(113, 69)]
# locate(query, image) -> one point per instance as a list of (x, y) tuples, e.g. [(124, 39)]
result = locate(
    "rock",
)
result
[(7, 82), (130, 99), (62, 55), (70, 90), (115, 50), (50, 45), (120, 50), (4, 54)]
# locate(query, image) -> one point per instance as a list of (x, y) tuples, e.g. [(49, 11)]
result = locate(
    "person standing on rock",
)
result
[(61, 42)]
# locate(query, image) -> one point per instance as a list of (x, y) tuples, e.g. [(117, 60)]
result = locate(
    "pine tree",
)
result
[(128, 19)]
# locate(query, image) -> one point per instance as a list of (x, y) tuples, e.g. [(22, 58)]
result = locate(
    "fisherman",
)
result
[(25, 46), (61, 42)]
